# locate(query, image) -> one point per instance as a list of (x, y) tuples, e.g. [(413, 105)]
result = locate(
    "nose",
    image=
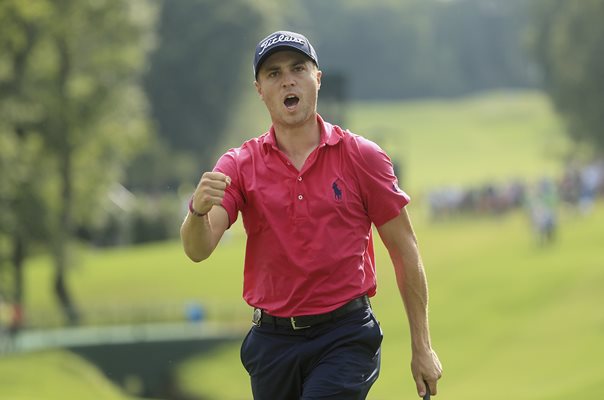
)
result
[(288, 79)]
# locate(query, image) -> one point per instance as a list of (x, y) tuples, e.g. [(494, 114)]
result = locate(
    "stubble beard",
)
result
[(299, 118)]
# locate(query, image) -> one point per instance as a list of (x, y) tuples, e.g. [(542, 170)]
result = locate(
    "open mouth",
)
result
[(291, 102)]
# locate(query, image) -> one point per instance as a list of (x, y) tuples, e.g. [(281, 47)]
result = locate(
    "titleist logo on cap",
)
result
[(278, 39)]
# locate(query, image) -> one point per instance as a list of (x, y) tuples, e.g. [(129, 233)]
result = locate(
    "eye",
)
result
[(272, 74)]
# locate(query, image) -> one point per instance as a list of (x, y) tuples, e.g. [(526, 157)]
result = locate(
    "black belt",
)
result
[(307, 321)]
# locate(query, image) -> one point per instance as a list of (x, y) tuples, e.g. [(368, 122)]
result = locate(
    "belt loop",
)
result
[(295, 326)]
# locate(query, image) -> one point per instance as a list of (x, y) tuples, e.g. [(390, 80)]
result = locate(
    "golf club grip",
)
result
[(427, 395)]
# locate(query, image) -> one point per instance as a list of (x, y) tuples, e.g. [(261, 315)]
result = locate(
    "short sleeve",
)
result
[(381, 195), (233, 198)]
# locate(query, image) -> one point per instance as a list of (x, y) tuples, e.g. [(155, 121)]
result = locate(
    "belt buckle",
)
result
[(296, 327), (257, 316)]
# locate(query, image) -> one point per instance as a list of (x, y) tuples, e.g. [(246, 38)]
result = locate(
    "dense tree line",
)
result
[(419, 48), (196, 73), (568, 42)]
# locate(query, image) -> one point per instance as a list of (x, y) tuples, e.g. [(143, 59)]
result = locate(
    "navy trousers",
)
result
[(334, 360)]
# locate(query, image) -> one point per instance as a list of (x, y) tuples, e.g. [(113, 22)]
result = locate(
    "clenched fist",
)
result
[(210, 191)]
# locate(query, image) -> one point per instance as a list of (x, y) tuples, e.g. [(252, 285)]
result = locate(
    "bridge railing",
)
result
[(116, 313), (111, 319)]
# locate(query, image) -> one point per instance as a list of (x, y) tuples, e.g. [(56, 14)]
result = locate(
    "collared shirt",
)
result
[(309, 242)]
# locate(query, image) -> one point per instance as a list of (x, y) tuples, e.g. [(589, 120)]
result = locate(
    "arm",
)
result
[(200, 234), (399, 238)]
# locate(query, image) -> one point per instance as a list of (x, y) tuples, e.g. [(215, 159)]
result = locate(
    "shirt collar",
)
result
[(330, 135)]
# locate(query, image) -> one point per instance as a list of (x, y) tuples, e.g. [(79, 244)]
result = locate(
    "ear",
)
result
[(319, 75), (259, 90)]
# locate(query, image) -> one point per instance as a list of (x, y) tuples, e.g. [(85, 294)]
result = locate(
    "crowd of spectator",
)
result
[(578, 187)]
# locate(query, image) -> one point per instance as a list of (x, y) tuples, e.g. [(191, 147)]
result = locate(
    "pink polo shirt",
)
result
[(309, 246)]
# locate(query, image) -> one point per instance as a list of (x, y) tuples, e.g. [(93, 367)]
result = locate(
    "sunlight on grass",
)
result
[(494, 136), (53, 375)]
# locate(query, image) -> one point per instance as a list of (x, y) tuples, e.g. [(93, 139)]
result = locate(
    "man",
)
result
[(308, 193)]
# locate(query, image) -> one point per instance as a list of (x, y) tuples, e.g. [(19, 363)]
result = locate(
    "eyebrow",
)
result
[(297, 61)]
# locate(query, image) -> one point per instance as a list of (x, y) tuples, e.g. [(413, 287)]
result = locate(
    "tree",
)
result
[(22, 158), (72, 68), (204, 56), (568, 43)]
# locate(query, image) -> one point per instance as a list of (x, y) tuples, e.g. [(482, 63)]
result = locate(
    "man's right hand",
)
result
[(210, 191), (201, 235)]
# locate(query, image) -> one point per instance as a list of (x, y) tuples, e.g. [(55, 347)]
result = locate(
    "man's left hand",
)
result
[(426, 369)]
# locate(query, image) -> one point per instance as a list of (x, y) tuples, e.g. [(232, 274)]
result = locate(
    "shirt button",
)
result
[(300, 197), (300, 178)]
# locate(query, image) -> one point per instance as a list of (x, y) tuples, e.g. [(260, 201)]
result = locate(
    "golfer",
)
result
[(308, 193)]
